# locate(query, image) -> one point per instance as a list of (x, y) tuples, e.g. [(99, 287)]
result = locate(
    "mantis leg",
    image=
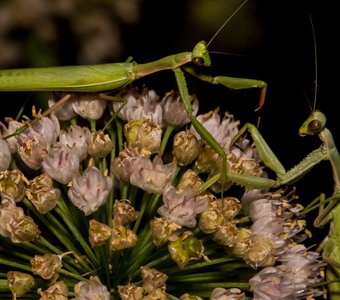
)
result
[(330, 248), (271, 161), (247, 181), (232, 82)]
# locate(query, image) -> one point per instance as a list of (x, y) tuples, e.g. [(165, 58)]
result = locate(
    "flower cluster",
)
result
[(139, 209)]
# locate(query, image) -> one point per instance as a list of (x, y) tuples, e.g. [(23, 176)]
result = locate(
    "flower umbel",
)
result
[(136, 203)]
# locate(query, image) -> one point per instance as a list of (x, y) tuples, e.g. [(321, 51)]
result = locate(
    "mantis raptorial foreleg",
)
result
[(268, 157)]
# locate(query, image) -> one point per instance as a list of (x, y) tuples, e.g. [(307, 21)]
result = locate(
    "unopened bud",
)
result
[(163, 230), (46, 265), (99, 233), (185, 147), (19, 283), (210, 220), (122, 238), (99, 144)]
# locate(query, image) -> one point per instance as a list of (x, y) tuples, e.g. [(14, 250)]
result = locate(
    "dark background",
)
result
[(271, 40)]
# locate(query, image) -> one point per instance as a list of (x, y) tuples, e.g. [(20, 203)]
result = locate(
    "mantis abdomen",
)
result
[(90, 78)]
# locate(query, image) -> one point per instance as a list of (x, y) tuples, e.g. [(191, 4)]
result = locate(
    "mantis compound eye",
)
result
[(199, 61), (315, 126)]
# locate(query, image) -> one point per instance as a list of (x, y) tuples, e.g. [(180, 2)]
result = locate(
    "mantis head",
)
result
[(315, 123), (200, 55)]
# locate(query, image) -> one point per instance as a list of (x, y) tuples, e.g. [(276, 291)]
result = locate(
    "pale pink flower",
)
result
[(91, 289), (35, 142), (140, 106), (61, 163), (152, 176), (65, 112), (227, 294), (16, 225), (12, 127), (123, 165), (90, 190), (292, 279), (223, 130), (75, 138), (182, 207), (174, 111), (88, 105), (5, 155)]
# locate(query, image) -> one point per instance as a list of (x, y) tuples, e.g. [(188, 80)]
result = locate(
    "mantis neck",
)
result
[(166, 63)]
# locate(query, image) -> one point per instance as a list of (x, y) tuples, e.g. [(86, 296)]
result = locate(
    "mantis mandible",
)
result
[(112, 76)]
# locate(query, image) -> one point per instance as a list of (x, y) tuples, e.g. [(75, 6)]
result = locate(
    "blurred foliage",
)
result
[(47, 32)]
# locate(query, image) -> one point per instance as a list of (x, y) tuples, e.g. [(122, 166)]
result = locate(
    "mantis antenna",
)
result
[(316, 63), (226, 22)]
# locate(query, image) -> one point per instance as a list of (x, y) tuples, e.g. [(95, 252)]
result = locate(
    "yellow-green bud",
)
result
[(46, 265), (19, 283), (210, 220), (122, 238), (99, 233), (185, 147), (99, 144), (163, 230)]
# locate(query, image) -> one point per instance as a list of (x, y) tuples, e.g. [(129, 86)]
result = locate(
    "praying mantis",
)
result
[(113, 76)]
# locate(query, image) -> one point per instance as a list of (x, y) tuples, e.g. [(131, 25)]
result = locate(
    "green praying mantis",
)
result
[(113, 76)]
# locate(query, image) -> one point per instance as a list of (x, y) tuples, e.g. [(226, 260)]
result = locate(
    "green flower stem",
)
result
[(73, 121), (41, 240), (124, 187), (13, 254), (55, 227), (143, 206), (102, 165), (200, 277), (11, 263), (33, 247), (159, 260), (142, 255), (144, 237), (93, 125), (3, 285), (103, 255), (245, 219), (72, 275), (132, 194), (211, 285), (169, 129), (76, 234), (113, 137), (119, 127), (170, 297), (153, 204), (107, 218), (202, 264), (79, 259), (209, 183)]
